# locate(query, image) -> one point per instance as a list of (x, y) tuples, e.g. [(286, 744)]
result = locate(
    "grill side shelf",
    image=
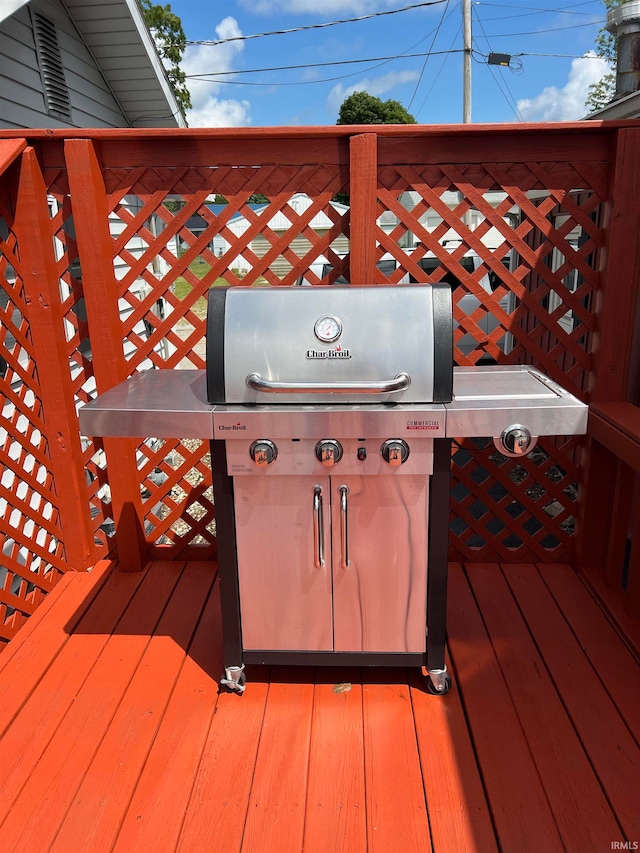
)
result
[(486, 400), (152, 403)]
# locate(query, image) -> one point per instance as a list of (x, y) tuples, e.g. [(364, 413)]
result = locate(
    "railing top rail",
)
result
[(382, 130)]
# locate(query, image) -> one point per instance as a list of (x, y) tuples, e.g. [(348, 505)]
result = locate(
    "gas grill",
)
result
[(330, 413)]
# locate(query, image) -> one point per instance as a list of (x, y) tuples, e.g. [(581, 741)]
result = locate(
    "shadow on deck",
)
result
[(114, 735)]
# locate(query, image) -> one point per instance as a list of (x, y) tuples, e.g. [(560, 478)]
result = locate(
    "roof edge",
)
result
[(154, 57), (9, 7)]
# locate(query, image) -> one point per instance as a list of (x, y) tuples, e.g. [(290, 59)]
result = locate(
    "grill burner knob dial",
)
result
[(263, 452), (515, 440), (329, 451), (395, 451)]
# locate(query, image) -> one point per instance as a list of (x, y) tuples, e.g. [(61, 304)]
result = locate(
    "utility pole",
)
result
[(466, 69), (466, 85)]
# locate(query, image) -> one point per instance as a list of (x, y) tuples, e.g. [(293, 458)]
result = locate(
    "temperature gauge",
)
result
[(328, 329)]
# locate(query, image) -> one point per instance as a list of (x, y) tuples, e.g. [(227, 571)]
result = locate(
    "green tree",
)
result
[(601, 93), (167, 32), (363, 108)]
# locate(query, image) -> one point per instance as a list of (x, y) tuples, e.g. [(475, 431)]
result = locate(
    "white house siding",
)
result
[(22, 101), (300, 247)]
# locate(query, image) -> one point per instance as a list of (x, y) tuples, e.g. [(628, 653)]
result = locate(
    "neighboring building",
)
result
[(623, 22), (321, 223), (279, 224), (81, 63), (625, 107)]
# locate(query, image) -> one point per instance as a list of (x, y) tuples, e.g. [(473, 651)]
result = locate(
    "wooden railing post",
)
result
[(618, 300), (10, 150), (32, 227), (100, 287), (632, 598), (363, 153), (620, 284)]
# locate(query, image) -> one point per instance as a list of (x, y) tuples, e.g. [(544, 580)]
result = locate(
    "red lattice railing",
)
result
[(110, 241)]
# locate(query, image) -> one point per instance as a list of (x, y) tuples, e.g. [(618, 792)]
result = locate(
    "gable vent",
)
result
[(56, 94)]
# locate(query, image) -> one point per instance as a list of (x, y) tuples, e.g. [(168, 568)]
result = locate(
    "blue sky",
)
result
[(547, 79)]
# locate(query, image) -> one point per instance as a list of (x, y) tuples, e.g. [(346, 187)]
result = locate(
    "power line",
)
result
[(544, 32), (318, 26), (383, 60), (509, 99), (565, 10), (440, 70), (206, 75), (589, 55), (426, 60), (213, 76)]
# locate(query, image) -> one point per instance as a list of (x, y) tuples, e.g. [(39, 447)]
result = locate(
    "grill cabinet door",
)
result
[(380, 596), (285, 598)]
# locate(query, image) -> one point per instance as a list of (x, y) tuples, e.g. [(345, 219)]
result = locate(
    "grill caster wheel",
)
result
[(438, 682), (234, 679)]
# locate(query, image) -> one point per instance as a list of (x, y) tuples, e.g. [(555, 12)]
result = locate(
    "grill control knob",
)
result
[(263, 452), (329, 451), (395, 451), (515, 440)]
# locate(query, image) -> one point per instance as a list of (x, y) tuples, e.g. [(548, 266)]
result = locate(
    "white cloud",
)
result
[(210, 110), (568, 103), (378, 86), (221, 113)]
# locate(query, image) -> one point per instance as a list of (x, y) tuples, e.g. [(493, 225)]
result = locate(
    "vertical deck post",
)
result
[(613, 369), (632, 598), (10, 150), (363, 186), (620, 286), (32, 226), (95, 245)]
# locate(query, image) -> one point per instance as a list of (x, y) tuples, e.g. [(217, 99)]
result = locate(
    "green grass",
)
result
[(199, 268)]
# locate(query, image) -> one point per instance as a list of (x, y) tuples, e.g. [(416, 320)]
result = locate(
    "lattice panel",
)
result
[(76, 333), (505, 509), (171, 243), (518, 242), (178, 496), (32, 544)]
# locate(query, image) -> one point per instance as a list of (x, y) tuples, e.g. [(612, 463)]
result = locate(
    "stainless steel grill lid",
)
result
[(330, 345)]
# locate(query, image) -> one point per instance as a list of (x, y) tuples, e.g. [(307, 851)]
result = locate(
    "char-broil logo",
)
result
[(335, 352), (231, 427), (426, 424)]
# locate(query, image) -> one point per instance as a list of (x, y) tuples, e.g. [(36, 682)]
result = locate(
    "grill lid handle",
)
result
[(382, 386)]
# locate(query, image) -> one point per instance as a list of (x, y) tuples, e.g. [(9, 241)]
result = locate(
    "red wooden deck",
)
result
[(114, 735)]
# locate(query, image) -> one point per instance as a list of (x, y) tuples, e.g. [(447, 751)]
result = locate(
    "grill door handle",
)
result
[(318, 529), (366, 386), (344, 532)]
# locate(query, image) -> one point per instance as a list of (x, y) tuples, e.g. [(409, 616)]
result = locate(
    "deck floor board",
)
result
[(516, 794), (583, 816), (121, 740), (597, 721), (335, 817)]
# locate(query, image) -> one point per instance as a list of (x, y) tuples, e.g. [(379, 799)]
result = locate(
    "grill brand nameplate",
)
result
[(335, 353)]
